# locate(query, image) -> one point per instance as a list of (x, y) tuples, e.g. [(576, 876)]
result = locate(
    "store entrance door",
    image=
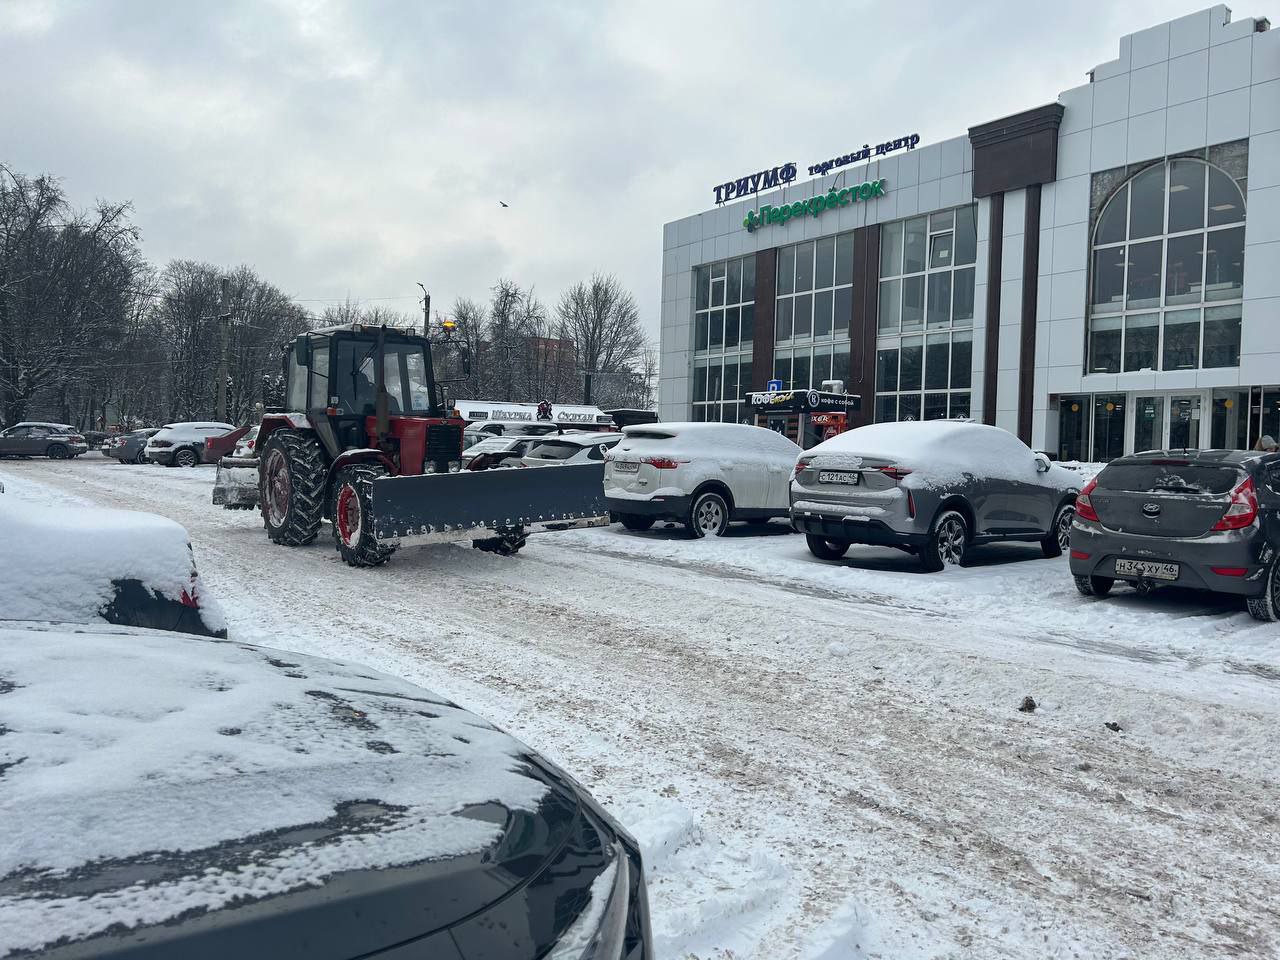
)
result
[(1148, 423), (1184, 422)]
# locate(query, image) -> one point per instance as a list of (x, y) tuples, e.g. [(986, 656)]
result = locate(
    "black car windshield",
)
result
[(404, 370), (1168, 476)]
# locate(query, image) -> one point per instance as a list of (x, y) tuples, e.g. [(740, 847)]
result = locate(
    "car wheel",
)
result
[(1267, 606), (140, 457), (57, 451), (947, 542), (635, 522), (1094, 586), (825, 549), (709, 515), (1059, 536), (186, 457)]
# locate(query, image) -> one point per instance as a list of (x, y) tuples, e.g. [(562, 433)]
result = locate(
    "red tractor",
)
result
[(366, 442)]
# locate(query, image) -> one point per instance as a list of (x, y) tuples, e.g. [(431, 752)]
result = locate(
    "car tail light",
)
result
[(1084, 502), (661, 463), (1230, 571), (897, 473), (1243, 510), (208, 443), (801, 466), (1079, 555), (250, 444)]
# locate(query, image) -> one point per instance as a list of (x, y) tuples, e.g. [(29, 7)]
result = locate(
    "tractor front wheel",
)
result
[(353, 517), (291, 487)]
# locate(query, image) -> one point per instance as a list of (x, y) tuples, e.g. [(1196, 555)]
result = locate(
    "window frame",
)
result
[(1163, 306), (893, 275)]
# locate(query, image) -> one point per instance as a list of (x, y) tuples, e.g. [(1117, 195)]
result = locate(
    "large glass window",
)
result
[(1170, 241), (812, 310), (924, 351), (723, 327)]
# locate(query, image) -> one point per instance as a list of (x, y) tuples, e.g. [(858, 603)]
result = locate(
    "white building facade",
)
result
[(1097, 275)]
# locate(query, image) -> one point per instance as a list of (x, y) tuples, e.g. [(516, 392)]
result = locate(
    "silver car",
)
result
[(934, 488)]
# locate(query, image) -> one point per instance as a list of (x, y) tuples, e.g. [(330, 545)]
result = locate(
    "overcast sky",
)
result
[(356, 148)]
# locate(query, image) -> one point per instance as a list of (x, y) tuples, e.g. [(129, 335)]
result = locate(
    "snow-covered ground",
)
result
[(823, 760)]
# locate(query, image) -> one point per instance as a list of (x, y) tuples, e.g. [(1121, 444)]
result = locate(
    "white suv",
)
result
[(700, 474), (182, 444)]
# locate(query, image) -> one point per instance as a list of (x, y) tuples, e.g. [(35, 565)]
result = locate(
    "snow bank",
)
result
[(706, 897), (941, 452), (58, 562), (135, 745)]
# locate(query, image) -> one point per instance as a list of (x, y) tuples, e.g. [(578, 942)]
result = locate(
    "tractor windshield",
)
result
[(404, 371)]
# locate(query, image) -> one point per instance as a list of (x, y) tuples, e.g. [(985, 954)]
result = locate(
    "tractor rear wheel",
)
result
[(353, 516), (291, 487)]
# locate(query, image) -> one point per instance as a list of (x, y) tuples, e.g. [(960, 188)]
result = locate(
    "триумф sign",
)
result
[(779, 176)]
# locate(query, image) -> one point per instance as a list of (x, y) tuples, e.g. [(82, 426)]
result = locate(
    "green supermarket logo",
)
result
[(814, 206)]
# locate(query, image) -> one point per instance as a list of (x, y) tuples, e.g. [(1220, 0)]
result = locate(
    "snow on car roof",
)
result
[(937, 451), (581, 439), (130, 754), (694, 435), (58, 562)]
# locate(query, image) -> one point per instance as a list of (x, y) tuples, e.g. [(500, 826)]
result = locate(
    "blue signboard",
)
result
[(774, 386)]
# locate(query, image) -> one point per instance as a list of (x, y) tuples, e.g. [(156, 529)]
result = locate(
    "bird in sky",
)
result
[(502, 204)]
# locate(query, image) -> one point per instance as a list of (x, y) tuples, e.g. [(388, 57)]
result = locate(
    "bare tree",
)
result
[(603, 321)]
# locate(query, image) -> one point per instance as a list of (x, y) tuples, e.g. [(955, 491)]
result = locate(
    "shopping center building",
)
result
[(1097, 275)]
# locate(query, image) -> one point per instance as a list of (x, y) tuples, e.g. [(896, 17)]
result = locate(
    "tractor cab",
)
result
[(337, 376)]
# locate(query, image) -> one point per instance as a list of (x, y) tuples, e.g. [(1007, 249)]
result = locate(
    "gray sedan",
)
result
[(130, 447), (933, 488)]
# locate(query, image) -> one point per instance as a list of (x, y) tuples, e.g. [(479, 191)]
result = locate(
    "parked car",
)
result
[(53, 440), (223, 444), (570, 447), (935, 488), (129, 447), (96, 565), (182, 444), (184, 797), (245, 445), (1204, 519), (700, 474), (492, 451)]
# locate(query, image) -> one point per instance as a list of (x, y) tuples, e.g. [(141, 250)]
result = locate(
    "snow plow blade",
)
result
[(439, 507), (236, 485)]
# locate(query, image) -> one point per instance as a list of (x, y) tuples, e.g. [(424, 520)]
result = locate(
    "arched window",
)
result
[(1168, 271)]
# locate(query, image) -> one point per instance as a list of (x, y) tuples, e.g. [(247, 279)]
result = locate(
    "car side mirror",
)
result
[(1042, 463)]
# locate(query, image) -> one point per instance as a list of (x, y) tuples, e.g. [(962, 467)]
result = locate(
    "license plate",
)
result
[(1149, 569), (625, 466), (839, 476)]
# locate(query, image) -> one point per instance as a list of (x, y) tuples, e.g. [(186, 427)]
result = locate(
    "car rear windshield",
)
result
[(1169, 476), (554, 450)]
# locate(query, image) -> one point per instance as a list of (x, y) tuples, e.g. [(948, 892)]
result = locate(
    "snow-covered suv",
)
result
[(182, 444), (700, 474)]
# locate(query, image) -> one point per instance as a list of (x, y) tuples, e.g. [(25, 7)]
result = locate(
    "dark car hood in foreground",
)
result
[(156, 789)]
